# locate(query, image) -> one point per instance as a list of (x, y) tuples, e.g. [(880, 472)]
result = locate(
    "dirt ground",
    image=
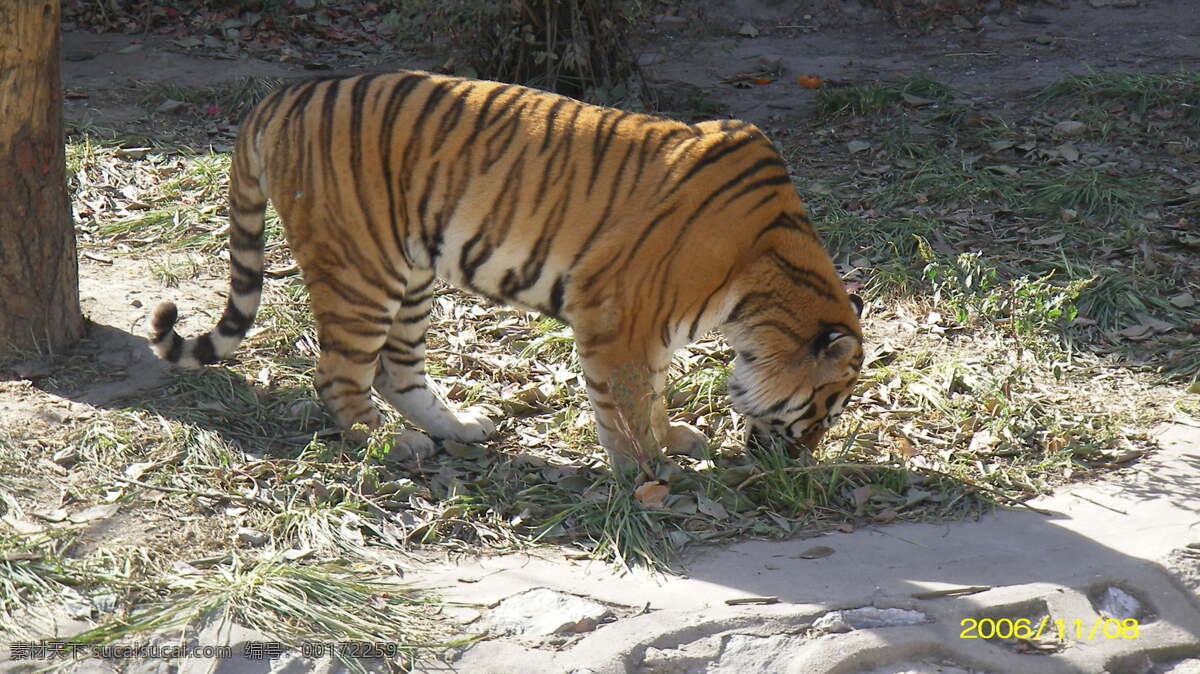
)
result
[(998, 57)]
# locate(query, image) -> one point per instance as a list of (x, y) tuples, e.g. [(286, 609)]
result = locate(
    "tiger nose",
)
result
[(808, 442)]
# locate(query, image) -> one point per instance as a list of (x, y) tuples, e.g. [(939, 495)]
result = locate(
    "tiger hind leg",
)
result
[(351, 336), (401, 379)]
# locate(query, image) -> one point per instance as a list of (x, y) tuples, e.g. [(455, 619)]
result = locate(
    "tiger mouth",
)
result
[(762, 435)]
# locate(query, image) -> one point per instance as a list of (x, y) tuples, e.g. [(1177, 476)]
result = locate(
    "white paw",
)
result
[(686, 439), (473, 426), (411, 444)]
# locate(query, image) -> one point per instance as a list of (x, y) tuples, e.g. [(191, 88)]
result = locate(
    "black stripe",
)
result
[(715, 154), (804, 277), (787, 221), (551, 116), (233, 321), (203, 350), (175, 352), (772, 181), (761, 164)]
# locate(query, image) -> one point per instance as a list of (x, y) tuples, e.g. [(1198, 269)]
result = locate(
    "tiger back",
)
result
[(641, 233)]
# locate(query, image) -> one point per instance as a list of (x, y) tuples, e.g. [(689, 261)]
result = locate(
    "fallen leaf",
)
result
[(134, 471), (56, 515), (748, 29), (710, 507), (886, 515), (751, 600), (96, 512), (652, 495), (1049, 240), (1155, 324), (809, 81), (1183, 300), (905, 448), (460, 450), (1136, 333), (815, 552), (917, 101), (856, 146)]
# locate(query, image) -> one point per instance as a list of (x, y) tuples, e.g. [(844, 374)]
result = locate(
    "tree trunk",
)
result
[(39, 274)]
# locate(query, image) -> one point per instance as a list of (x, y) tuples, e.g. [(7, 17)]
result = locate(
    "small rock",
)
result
[(171, 107), (867, 617), (1070, 127), (772, 62), (252, 537), (961, 22), (65, 457), (1043, 39), (543, 612), (833, 623), (105, 603), (748, 30), (1117, 604)]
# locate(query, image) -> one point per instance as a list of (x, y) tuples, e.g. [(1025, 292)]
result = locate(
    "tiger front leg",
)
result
[(679, 438), (401, 376), (631, 418)]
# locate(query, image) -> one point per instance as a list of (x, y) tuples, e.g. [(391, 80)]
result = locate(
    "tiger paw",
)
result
[(687, 440), (411, 444), (473, 426)]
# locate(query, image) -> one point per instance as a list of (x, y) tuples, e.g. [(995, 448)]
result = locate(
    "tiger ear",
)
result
[(857, 303), (834, 345), (841, 347)]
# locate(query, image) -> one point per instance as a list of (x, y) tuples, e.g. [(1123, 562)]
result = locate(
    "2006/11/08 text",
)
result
[(1026, 628), (251, 650)]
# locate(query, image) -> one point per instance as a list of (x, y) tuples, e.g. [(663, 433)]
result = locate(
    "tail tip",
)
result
[(162, 322)]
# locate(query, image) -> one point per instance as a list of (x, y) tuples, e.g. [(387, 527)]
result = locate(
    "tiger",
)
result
[(640, 232)]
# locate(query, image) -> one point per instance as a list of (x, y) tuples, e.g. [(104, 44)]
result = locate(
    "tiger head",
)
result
[(799, 351)]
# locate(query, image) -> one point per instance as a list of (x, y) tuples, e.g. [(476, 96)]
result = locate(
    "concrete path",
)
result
[(1115, 548)]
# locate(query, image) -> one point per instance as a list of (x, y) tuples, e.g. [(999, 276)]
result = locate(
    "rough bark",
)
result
[(39, 276)]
